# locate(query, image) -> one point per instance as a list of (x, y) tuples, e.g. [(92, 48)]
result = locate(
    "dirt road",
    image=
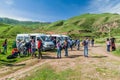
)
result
[(100, 65)]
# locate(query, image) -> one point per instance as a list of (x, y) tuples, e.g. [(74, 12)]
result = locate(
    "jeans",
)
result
[(85, 51), (66, 51), (108, 48), (33, 51), (58, 53)]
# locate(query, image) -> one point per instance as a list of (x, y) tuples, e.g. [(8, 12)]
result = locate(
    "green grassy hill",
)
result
[(88, 24), (84, 25), (9, 28), (22, 23), (10, 31)]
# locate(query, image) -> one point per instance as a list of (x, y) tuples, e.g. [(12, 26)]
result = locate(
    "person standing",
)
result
[(58, 45), (108, 44), (39, 48), (28, 47), (78, 44), (113, 47), (92, 42), (66, 47), (85, 44), (19, 43), (5, 46), (71, 44), (33, 48)]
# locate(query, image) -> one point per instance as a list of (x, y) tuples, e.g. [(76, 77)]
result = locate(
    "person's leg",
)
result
[(60, 53), (38, 53), (66, 51), (4, 50), (57, 53), (108, 48), (71, 47), (78, 47), (32, 52), (86, 51)]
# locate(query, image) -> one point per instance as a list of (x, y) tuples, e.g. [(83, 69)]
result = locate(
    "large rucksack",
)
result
[(84, 43)]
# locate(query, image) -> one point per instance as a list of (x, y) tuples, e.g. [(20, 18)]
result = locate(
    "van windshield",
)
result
[(27, 39), (20, 38), (45, 38)]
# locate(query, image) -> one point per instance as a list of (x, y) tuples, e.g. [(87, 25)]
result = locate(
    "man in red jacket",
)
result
[(39, 49)]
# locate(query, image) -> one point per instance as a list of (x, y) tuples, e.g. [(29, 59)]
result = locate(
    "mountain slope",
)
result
[(22, 23), (97, 25), (94, 24)]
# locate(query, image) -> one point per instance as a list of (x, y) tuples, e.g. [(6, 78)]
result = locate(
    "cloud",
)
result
[(9, 2), (100, 6), (16, 18), (14, 13)]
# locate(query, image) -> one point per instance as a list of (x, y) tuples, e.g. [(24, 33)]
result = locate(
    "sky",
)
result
[(54, 10)]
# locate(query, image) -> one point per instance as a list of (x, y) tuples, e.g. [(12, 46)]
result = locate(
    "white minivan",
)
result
[(23, 37), (47, 44)]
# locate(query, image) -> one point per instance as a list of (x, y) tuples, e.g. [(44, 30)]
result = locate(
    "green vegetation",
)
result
[(117, 52), (107, 72), (48, 73)]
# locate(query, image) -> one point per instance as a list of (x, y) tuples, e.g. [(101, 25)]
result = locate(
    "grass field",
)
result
[(47, 72)]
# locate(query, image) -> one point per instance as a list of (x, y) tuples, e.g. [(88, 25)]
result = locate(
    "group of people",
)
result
[(70, 43), (110, 44), (29, 48), (26, 48)]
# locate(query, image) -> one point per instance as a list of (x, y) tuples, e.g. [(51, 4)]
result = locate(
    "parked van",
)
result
[(23, 37), (47, 44)]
